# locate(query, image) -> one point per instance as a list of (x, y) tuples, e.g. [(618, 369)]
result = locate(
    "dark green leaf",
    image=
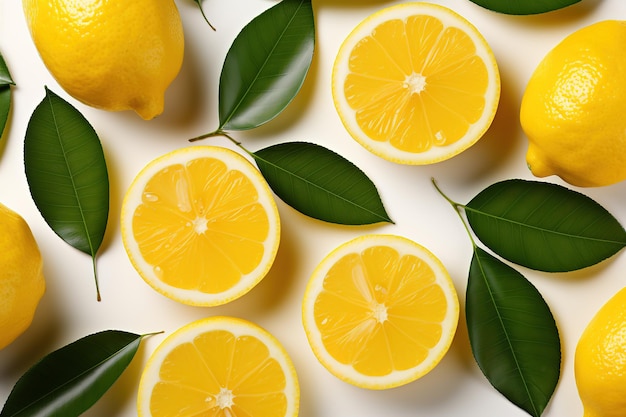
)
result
[(5, 106), (266, 65), (524, 7), (544, 226), (67, 173), (70, 380), (512, 332), (321, 184), (5, 94), (5, 76)]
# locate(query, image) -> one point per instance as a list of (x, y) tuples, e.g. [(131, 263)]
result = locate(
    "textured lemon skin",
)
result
[(112, 55), (21, 279), (600, 361), (573, 105)]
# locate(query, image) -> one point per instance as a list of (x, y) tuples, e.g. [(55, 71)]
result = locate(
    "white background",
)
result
[(456, 387)]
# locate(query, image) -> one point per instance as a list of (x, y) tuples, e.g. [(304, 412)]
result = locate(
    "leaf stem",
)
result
[(457, 208), (220, 132), (236, 142), (204, 15), (95, 276), (152, 334)]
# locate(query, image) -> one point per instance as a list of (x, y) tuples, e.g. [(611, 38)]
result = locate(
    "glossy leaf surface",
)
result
[(513, 335), (71, 379), (525, 7), (266, 65), (67, 173), (321, 184), (5, 94), (544, 226), (5, 76), (5, 106)]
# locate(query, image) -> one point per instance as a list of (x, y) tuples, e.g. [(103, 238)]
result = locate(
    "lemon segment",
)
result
[(200, 225), (110, 55), (416, 83), (221, 367), (22, 283), (380, 311), (571, 110)]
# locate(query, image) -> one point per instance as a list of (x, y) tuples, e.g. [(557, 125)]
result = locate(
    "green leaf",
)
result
[(321, 184), (5, 76), (67, 173), (70, 380), (544, 226), (525, 7), (512, 333), (266, 65), (5, 94), (5, 106)]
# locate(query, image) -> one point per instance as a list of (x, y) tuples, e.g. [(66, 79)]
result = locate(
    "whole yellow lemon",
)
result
[(113, 55), (572, 110), (600, 361), (22, 282)]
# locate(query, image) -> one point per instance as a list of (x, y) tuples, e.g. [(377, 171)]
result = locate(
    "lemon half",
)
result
[(380, 311), (416, 83), (219, 366), (200, 225)]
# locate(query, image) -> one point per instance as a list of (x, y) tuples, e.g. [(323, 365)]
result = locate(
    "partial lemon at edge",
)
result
[(22, 283), (219, 366), (600, 360), (572, 108)]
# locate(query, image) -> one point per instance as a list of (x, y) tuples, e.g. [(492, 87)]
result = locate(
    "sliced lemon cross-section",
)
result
[(380, 311), (416, 83), (219, 367), (200, 225)]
